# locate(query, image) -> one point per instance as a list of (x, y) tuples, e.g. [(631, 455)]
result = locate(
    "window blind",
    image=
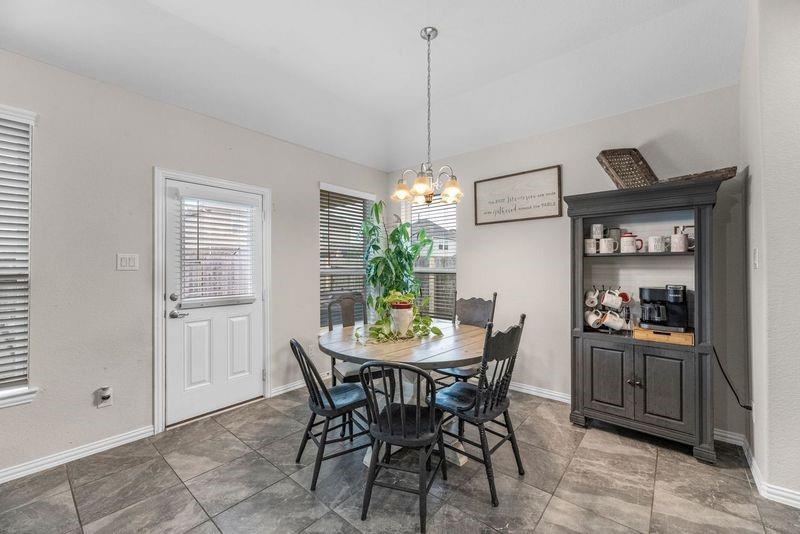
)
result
[(217, 253), (15, 166), (341, 250), (437, 274)]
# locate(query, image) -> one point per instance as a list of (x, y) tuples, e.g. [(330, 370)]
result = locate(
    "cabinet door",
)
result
[(608, 377), (665, 395)]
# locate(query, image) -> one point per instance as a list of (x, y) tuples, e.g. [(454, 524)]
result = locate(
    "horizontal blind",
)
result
[(341, 250), (15, 166), (217, 248), (437, 273)]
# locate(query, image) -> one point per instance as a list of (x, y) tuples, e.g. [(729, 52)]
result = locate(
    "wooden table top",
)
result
[(458, 346)]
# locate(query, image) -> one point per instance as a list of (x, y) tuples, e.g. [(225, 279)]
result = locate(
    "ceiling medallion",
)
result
[(425, 185)]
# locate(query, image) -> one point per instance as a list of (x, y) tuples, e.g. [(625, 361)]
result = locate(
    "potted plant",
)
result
[(390, 257)]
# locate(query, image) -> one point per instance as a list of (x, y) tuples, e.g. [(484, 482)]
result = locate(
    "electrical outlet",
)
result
[(104, 397), (127, 262), (755, 258)]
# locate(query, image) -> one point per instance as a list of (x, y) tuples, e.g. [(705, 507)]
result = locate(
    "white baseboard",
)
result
[(726, 436), (59, 458), (541, 392), (297, 384)]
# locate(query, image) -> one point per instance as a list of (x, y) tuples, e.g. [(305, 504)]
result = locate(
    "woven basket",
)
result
[(627, 168)]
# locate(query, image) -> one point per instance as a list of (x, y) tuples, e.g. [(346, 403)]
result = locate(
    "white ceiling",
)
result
[(347, 77)]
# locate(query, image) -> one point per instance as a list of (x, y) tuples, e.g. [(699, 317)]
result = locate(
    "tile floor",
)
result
[(235, 472)]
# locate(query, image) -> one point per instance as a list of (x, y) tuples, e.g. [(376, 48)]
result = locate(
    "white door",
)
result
[(214, 298)]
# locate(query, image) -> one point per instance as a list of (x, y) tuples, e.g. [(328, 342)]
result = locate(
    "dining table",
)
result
[(459, 345)]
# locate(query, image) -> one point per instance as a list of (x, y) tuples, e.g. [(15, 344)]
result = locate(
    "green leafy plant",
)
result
[(390, 257)]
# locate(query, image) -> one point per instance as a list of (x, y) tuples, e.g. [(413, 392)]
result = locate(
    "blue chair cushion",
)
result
[(345, 397), (457, 397), (460, 372)]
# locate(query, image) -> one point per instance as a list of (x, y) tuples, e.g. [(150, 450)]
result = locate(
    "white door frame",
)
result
[(160, 177)]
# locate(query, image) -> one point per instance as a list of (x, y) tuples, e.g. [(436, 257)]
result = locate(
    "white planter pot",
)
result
[(401, 320)]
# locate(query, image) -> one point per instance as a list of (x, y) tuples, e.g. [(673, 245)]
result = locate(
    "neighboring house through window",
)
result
[(437, 274)]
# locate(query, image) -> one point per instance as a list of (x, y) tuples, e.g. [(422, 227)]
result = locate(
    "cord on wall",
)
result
[(730, 384)]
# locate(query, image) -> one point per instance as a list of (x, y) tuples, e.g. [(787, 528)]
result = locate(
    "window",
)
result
[(16, 141), (341, 248), (217, 253), (437, 274)]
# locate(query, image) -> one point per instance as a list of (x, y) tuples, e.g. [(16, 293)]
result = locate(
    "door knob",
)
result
[(173, 297), (175, 315)]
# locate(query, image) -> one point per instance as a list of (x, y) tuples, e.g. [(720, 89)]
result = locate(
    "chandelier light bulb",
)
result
[(422, 185), (401, 191), (451, 191)]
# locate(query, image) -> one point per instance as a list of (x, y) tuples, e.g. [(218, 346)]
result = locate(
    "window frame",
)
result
[(23, 393)]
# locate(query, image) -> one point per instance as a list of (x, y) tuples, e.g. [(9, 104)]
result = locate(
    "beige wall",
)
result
[(770, 111), (528, 262), (95, 148)]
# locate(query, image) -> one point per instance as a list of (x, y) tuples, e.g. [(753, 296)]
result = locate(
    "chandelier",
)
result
[(425, 185)]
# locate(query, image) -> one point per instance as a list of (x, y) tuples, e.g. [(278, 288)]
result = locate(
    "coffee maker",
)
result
[(664, 308)]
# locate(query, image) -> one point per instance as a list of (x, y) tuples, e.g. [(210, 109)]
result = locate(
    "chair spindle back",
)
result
[(314, 383), (347, 308), (499, 348), (475, 311)]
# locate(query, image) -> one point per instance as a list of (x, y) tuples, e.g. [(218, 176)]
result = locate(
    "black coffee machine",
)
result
[(664, 308)]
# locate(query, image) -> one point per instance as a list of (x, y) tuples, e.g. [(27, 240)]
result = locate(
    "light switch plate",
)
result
[(127, 262)]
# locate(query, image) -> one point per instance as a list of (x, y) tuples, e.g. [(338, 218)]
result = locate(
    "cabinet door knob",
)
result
[(638, 383), (629, 381)]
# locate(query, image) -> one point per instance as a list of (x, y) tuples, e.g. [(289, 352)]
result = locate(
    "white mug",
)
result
[(612, 299), (594, 318), (597, 231), (679, 242), (608, 246), (590, 246), (630, 244), (591, 297), (614, 321), (656, 243)]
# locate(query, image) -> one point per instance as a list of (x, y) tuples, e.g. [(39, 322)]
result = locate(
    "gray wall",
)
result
[(95, 148), (528, 262)]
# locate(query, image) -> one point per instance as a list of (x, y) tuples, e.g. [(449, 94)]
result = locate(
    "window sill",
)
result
[(18, 395)]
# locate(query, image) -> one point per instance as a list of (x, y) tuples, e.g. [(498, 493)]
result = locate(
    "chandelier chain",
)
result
[(429, 100)]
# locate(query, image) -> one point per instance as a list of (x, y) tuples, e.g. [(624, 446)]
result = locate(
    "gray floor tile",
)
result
[(259, 424), (713, 490), (562, 517), (672, 514), (51, 514), (543, 469), (122, 489), (205, 528), (548, 427), (196, 458), (520, 506), (232, 482), (778, 517), (282, 508), (171, 511), (111, 461), (390, 511), (338, 478), (175, 438), (283, 452), (30, 488), (331, 523), (730, 459), (450, 520)]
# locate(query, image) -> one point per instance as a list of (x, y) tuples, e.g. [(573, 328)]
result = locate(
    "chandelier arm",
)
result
[(441, 170), (403, 176)]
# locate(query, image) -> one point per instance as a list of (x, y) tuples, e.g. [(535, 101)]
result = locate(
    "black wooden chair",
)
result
[(476, 312), (345, 372), (338, 401), (405, 422), (484, 402)]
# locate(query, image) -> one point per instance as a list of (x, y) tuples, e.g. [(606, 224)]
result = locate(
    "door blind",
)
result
[(15, 162), (437, 274), (341, 250), (217, 248)]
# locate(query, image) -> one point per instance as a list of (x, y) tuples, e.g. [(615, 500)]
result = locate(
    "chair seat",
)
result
[(346, 371), (403, 427), (460, 372), (346, 397), (460, 398)]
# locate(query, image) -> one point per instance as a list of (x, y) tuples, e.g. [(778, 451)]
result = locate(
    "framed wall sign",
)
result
[(520, 196)]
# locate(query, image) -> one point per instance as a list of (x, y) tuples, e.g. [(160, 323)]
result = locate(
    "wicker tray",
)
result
[(627, 168)]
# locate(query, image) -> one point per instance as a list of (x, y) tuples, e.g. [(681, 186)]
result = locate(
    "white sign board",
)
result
[(521, 196)]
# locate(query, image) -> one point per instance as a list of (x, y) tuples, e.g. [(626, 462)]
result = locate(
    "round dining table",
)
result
[(458, 346)]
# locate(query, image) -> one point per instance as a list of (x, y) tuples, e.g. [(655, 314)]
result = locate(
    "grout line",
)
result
[(74, 501)]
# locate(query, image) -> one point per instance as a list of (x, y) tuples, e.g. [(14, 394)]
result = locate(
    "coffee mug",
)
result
[(627, 298), (613, 233), (679, 242), (656, 243), (590, 246), (630, 244), (608, 246), (614, 321), (591, 297), (611, 299), (594, 318), (597, 231)]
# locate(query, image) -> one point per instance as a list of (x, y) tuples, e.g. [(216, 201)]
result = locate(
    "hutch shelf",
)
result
[(659, 388)]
